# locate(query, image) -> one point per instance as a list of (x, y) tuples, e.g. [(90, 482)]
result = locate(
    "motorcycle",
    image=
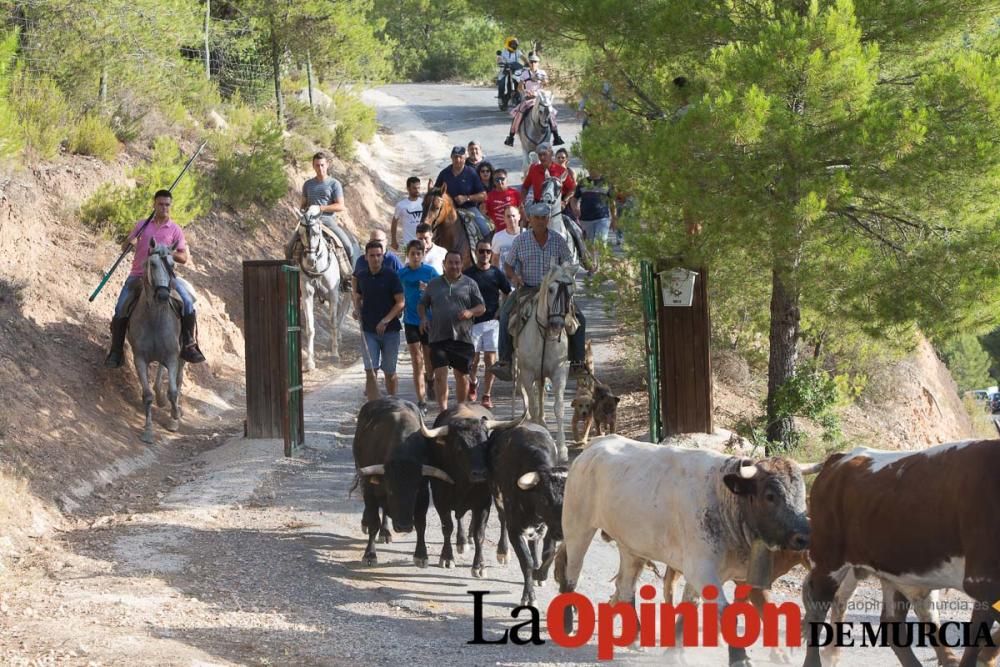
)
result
[(507, 92)]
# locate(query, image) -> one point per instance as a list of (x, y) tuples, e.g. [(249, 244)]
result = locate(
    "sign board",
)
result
[(677, 286)]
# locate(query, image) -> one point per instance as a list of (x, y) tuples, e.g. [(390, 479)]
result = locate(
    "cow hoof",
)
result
[(147, 437), (460, 547), (173, 425), (370, 559), (674, 657), (479, 572), (527, 600), (420, 562), (539, 582), (503, 559), (385, 538), (745, 662), (780, 655), (446, 563)]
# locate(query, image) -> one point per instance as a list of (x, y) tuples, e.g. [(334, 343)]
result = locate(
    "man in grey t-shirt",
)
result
[(455, 301), (323, 195)]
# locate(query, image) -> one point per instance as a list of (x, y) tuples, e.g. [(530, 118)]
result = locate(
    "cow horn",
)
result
[(747, 469), (437, 473), (432, 433), (499, 424), (810, 468), (372, 470), (528, 480)]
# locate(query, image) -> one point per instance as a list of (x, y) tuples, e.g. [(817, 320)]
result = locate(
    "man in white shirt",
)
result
[(433, 253), (503, 239), (407, 215)]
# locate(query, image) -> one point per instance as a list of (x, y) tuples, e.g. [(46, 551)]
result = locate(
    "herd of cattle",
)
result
[(919, 521)]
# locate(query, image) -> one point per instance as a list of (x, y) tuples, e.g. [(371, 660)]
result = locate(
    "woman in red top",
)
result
[(499, 198)]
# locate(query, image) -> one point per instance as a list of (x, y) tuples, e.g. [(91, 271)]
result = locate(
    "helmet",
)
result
[(511, 43)]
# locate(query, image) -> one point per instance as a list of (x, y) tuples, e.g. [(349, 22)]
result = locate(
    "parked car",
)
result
[(995, 404)]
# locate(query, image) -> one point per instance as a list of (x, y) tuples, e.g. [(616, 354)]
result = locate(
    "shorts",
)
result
[(452, 354), (382, 351), (486, 335), (596, 230), (413, 334)]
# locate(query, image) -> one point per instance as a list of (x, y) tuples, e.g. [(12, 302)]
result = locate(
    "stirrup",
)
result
[(509, 141)]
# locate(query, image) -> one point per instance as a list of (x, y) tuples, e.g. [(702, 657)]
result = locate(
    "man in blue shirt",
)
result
[(485, 328), (389, 261), (380, 296), (465, 187), (415, 276)]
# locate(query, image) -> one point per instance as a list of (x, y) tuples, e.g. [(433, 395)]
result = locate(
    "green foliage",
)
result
[(115, 209), (991, 343), (968, 362), (250, 168), (10, 135), (313, 124), (355, 122), (43, 116), (446, 39), (93, 136)]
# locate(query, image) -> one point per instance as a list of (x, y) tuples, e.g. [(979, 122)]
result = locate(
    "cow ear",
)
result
[(739, 485), (617, 399), (528, 480)]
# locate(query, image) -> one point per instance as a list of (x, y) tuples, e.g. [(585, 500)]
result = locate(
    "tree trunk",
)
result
[(309, 79), (785, 318), (276, 53), (208, 53)]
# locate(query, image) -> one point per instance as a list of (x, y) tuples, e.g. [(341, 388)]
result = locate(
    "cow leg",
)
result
[(629, 567), (982, 586), (548, 552), (559, 407), (759, 598), (420, 522), (447, 559), (384, 536), (838, 610), (520, 544), (925, 606), (503, 547), (371, 522), (818, 591), (569, 563), (461, 539), (697, 581), (477, 527), (895, 607)]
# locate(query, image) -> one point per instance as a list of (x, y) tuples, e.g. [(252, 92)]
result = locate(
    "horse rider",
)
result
[(530, 81), (323, 195), (163, 231), (511, 56), (535, 178), (526, 265), (464, 187)]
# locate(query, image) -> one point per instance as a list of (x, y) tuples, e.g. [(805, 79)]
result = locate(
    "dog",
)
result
[(583, 412), (604, 411), (594, 404)]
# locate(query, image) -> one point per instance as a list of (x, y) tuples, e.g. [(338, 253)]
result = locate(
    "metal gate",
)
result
[(273, 359)]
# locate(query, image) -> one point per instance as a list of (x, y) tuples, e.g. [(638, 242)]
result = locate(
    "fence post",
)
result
[(650, 328)]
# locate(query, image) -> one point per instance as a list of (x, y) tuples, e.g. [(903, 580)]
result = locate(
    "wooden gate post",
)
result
[(273, 361), (685, 363)]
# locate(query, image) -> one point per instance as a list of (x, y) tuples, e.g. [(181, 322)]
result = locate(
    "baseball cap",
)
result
[(539, 208), (458, 150), (533, 58)]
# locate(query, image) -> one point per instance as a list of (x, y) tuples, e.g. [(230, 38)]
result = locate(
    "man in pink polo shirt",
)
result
[(164, 231)]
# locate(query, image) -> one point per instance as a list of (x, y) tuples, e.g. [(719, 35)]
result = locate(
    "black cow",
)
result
[(459, 450), (528, 486), (390, 445)]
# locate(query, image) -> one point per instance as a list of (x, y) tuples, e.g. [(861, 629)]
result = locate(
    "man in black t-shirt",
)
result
[(381, 295), (486, 329)]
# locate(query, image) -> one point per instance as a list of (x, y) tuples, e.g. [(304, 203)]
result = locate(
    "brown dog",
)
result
[(583, 403), (605, 409)]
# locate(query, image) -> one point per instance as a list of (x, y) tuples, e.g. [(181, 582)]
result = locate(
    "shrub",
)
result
[(93, 136), (10, 136), (355, 120), (313, 125), (252, 170), (43, 115), (116, 208)]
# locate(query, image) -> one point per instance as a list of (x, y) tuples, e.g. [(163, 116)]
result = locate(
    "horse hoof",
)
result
[(527, 601), (173, 425), (370, 559), (385, 538), (460, 547), (147, 437), (420, 562), (446, 563), (503, 559), (479, 572)]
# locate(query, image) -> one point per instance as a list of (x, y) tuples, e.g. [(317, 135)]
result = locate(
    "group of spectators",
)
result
[(450, 317)]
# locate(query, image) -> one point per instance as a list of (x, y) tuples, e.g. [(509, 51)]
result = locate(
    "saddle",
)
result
[(176, 303), (472, 232)]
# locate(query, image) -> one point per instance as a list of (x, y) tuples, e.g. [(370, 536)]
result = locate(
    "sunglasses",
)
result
[(500, 179), (484, 251)]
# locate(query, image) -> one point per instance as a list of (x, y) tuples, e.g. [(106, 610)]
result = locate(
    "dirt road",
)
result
[(243, 557)]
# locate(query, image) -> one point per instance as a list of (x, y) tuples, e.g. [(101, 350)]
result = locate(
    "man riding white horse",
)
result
[(163, 231), (530, 81), (526, 264), (323, 196)]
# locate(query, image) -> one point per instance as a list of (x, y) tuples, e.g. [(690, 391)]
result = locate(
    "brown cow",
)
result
[(918, 520)]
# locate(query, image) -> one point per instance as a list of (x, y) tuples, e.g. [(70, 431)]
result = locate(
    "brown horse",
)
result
[(440, 213)]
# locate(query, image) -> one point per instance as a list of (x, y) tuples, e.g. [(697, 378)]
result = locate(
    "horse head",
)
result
[(158, 277), (313, 246), (439, 207), (543, 106), (552, 190), (555, 296)]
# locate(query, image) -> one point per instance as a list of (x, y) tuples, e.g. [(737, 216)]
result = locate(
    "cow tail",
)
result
[(357, 482)]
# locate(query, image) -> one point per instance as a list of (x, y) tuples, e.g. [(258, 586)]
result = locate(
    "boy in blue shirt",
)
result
[(415, 275)]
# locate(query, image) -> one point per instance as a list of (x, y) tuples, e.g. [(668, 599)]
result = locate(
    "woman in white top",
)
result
[(532, 80)]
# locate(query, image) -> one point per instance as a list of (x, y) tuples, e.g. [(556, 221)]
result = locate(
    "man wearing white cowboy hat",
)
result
[(530, 81)]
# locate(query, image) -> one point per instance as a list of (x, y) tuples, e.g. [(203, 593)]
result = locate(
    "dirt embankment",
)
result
[(67, 424)]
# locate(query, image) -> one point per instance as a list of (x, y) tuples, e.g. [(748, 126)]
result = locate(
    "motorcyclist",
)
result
[(511, 56), (530, 81)]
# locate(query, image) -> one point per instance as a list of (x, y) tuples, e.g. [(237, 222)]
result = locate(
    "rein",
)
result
[(322, 252)]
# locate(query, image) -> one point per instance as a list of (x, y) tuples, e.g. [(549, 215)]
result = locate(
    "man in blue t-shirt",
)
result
[(597, 207), (485, 328), (379, 294), (465, 187), (389, 261), (415, 276)]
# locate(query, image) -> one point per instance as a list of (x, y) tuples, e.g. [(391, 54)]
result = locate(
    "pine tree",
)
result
[(852, 147)]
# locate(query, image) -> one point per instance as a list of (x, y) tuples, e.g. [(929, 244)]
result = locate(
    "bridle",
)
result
[(429, 200), (314, 267), (164, 259), (545, 123), (559, 307)]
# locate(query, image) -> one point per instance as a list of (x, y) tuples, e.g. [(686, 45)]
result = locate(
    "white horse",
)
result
[(536, 126), (320, 273), (543, 348)]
